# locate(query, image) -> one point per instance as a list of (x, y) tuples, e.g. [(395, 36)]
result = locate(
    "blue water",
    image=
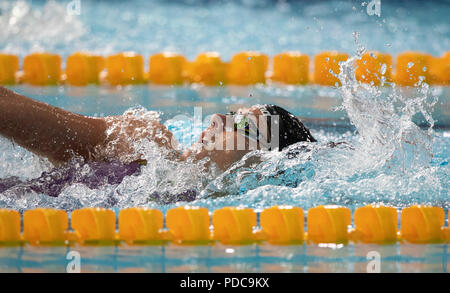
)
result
[(191, 26), (404, 258), (328, 177), (389, 172)]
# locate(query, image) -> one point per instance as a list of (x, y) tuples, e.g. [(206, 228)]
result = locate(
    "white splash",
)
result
[(28, 29)]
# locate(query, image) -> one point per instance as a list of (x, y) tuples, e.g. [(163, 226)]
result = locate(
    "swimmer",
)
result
[(60, 135)]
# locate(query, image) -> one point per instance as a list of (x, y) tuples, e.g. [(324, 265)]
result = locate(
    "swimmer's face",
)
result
[(223, 143)]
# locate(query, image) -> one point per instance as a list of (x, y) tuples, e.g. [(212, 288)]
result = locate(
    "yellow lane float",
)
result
[(42, 69), (94, 226), (9, 66), (440, 69), (189, 225), (422, 224), (374, 67), (234, 225), (83, 69), (125, 69), (375, 224), (326, 67), (283, 225), (278, 225), (140, 225), (167, 69), (207, 69), (9, 227), (291, 68), (413, 67), (44, 226), (328, 224), (247, 68)]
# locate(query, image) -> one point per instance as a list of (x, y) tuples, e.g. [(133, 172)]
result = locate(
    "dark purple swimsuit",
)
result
[(99, 174)]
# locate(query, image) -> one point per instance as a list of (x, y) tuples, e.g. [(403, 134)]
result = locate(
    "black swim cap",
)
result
[(291, 129)]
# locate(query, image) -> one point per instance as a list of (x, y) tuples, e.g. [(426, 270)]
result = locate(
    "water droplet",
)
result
[(424, 69), (410, 64), (383, 68)]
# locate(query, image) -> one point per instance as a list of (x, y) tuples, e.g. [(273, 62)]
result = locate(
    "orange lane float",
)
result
[(440, 69), (9, 227), (291, 68), (375, 224), (446, 232), (326, 67), (374, 68), (413, 67), (43, 226), (42, 69), (207, 69), (283, 225), (140, 225), (94, 225), (188, 225), (167, 69), (9, 66), (328, 224), (278, 225), (125, 69), (422, 224), (234, 225), (247, 68), (83, 69)]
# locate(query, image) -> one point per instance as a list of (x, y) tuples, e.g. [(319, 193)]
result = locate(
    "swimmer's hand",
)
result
[(126, 135)]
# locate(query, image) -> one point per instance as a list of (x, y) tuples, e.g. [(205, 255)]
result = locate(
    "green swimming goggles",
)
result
[(248, 128)]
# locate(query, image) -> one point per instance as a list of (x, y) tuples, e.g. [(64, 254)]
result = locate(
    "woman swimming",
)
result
[(62, 136)]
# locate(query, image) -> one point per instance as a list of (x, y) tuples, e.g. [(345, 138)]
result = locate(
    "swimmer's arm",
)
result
[(47, 130)]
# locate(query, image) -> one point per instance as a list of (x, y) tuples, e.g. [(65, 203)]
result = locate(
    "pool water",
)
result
[(394, 174), (405, 258), (227, 26), (397, 149)]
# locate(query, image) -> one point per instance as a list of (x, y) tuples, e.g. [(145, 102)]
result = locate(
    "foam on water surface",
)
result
[(386, 158)]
